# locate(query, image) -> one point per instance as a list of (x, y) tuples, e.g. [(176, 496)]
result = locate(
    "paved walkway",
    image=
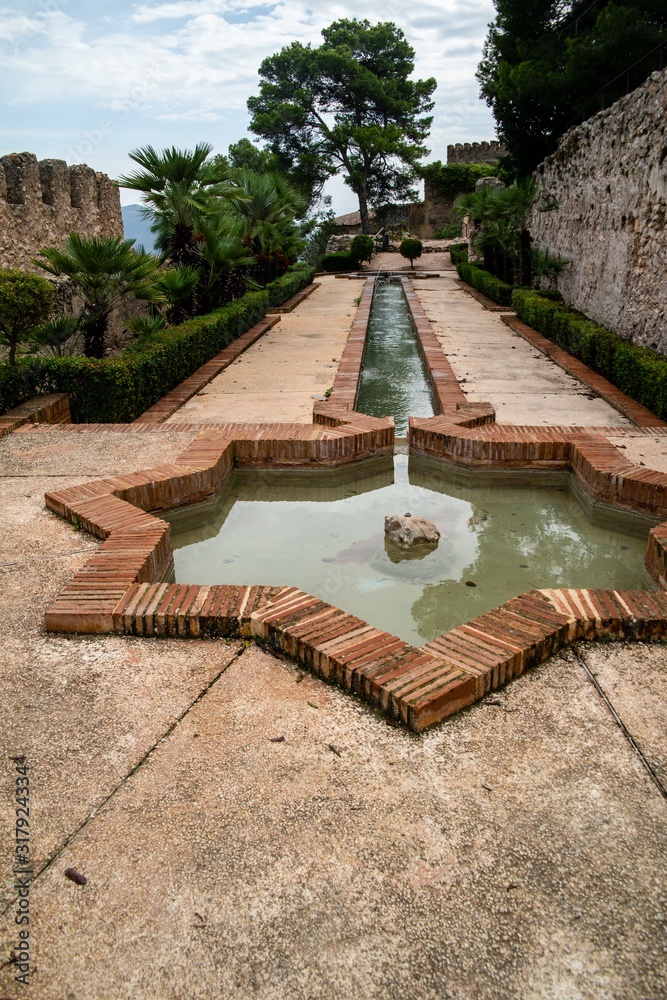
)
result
[(516, 852), (280, 377), (493, 364)]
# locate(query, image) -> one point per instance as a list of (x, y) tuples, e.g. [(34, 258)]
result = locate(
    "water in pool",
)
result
[(324, 532)]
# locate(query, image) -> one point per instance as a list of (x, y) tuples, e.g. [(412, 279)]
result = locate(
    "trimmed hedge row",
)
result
[(458, 253), (486, 283), (637, 371), (117, 390), (291, 282)]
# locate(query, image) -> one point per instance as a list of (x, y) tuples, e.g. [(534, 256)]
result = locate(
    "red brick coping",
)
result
[(173, 401), (630, 408), (296, 300), (40, 410)]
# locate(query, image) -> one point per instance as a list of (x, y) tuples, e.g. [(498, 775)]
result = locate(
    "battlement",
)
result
[(476, 152), (43, 201)]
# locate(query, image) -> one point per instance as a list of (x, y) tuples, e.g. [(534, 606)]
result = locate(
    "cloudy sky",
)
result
[(89, 81)]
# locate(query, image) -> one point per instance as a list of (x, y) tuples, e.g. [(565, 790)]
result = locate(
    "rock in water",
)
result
[(410, 530)]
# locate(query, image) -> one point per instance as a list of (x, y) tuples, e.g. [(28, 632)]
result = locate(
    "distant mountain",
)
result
[(137, 228)]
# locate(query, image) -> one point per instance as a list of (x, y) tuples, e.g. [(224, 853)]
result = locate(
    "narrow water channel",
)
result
[(394, 382)]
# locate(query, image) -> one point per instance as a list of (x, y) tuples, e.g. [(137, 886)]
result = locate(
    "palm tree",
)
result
[(226, 258), (178, 186), (179, 285), (267, 205), (501, 216), (57, 336), (105, 270), (515, 203)]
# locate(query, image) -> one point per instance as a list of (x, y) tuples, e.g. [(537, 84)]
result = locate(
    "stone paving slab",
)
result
[(518, 852), (281, 376), (494, 365), (634, 680), (645, 449)]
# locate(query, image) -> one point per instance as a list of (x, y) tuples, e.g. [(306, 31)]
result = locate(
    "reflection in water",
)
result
[(393, 377), (324, 532)]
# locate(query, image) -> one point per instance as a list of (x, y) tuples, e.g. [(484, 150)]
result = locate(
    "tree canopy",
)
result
[(347, 105), (549, 64), (25, 302)]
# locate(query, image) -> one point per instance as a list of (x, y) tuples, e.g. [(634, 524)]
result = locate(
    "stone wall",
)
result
[(608, 178), (42, 202), (475, 152)]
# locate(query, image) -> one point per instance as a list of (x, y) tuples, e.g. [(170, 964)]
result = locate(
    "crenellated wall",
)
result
[(42, 202), (608, 181), (475, 152)]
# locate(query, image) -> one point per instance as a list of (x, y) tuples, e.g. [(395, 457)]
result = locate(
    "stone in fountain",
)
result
[(410, 531)]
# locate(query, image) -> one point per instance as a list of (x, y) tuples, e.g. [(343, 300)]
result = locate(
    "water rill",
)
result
[(394, 380)]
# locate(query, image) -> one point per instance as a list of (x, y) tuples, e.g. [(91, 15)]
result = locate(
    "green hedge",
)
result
[(458, 253), (344, 261), (637, 371), (117, 390), (292, 281), (485, 283)]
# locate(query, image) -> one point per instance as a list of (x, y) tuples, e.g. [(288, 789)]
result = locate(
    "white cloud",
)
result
[(193, 115), (196, 61)]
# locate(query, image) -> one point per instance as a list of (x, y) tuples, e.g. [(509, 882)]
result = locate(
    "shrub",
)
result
[(637, 371), (458, 253), (362, 247), (451, 231), (343, 261), (485, 283), (25, 303), (411, 248)]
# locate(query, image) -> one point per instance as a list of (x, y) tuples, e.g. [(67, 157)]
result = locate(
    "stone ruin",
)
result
[(43, 201), (476, 152)]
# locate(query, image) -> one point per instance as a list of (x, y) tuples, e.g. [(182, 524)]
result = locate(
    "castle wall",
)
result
[(608, 179), (42, 202), (475, 152)]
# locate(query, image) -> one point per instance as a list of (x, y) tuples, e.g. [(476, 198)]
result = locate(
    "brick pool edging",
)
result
[(124, 587)]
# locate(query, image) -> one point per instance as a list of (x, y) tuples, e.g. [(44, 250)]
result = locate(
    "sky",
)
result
[(87, 82)]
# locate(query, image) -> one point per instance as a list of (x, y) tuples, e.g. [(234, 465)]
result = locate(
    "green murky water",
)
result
[(324, 532), (393, 377)]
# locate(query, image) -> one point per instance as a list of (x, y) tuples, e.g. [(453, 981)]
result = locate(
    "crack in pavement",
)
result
[(97, 809), (48, 555), (619, 722)]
